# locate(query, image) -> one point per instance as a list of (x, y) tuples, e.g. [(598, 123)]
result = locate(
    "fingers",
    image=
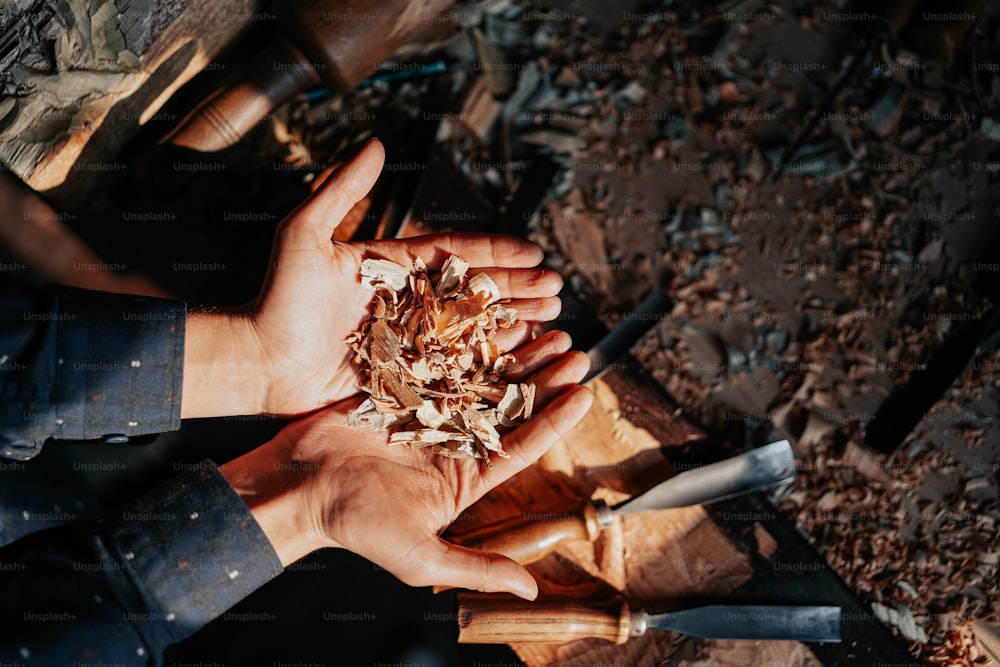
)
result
[(317, 217), (508, 339), (567, 370), (528, 442), (445, 564), (524, 283), (537, 310), (479, 250), (528, 311), (536, 354)]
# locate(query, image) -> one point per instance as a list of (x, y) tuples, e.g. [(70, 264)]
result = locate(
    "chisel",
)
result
[(527, 539), (485, 618), (336, 42)]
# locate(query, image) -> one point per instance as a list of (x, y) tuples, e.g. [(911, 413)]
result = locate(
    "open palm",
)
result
[(312, 298)]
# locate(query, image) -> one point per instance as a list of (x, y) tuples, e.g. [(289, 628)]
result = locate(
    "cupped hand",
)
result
[(285, 354), (321, 483), (312, 298)]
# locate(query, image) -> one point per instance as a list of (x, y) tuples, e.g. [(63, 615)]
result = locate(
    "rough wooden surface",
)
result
[(89, 113), (657, 560)]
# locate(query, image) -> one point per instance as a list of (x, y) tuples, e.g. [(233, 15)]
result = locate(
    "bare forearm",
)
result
[(222, 369), (273, 486)]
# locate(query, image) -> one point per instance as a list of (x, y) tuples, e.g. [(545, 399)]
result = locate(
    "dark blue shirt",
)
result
[(88, 365), (78, 365)]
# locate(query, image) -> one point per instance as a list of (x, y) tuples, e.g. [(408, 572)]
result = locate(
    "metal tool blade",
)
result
[(805, 623), (633, 326), (767, 466)]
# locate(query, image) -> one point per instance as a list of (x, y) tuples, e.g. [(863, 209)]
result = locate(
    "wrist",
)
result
[(272, 487), (223, 370)]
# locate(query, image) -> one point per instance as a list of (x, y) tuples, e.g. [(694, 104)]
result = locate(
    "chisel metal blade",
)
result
[(764, 467), (798, 623), (633, 327)]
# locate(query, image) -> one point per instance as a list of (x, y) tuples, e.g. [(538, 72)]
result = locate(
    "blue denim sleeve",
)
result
[(120, 590), (79, 365)]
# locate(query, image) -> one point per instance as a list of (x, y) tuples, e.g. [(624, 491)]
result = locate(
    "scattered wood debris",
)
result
[(433, 368), (802, 301)]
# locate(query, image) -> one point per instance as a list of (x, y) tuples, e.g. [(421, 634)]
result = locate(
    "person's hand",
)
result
[(321, 483), (286, 354)]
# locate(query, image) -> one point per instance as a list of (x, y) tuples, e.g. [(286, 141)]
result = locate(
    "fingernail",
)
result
[(524, 591), (536, 250)]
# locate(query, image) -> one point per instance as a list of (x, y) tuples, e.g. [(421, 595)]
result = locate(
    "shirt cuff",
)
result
[(119, 364), (193, 550)]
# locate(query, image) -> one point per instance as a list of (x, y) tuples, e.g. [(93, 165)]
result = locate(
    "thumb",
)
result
[(317, 217), (453, 565)]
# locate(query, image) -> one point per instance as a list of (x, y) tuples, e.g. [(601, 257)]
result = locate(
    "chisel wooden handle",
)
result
[(336, 42), (485, 618), (532, 537), (277, 74)]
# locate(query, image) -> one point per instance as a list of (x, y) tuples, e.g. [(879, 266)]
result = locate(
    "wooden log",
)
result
[(62, 129)]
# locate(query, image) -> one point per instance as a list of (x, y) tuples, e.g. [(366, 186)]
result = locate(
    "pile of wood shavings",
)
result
[(433, 369)]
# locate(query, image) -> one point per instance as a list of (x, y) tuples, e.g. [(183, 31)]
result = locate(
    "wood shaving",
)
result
[(432, 367)]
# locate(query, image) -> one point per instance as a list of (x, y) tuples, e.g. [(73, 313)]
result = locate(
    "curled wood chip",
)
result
[(902, 619), (432, 368), (383, 273), (452, 272)]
